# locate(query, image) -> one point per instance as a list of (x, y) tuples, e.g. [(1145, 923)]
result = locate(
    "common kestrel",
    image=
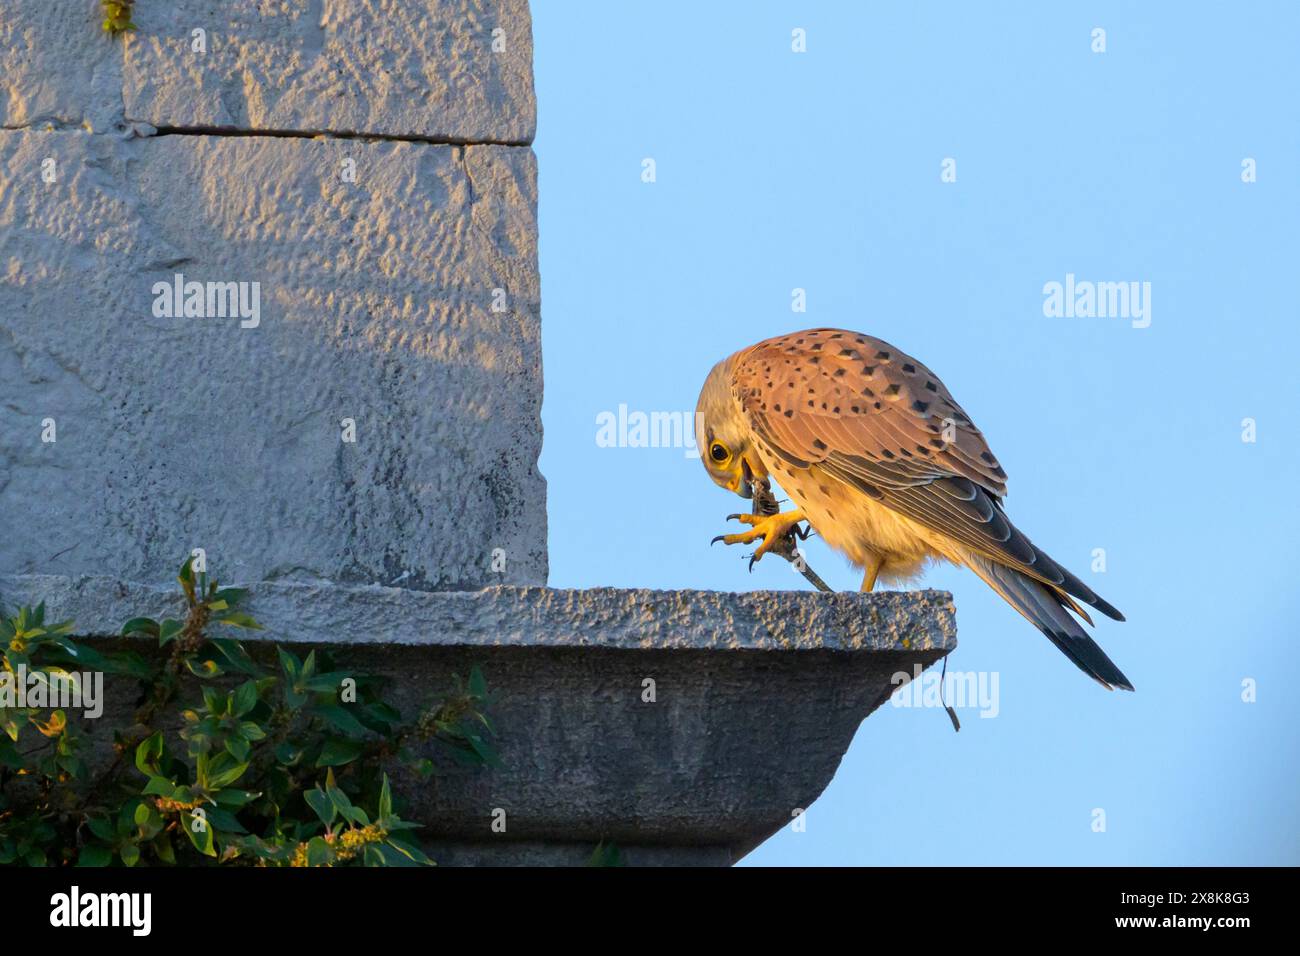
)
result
[(885, 465)]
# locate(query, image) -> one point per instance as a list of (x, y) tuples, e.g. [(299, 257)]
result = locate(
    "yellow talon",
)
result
[(771, 528)]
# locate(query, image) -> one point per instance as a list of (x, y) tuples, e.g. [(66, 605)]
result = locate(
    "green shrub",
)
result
[(227, 761)]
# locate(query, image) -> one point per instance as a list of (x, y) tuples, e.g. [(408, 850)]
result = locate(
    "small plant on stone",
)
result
[(117, 16), (225, 760), (606, 854)]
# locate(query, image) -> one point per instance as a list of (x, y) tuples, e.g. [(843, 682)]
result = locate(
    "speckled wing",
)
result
[(876, 419)]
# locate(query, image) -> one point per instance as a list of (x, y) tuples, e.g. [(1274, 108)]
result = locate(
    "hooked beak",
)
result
[(742, 484)]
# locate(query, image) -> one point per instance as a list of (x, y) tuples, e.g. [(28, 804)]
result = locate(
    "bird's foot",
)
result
[(777, 532)]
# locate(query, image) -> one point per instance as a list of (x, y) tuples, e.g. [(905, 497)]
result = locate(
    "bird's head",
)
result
[(723, 437)]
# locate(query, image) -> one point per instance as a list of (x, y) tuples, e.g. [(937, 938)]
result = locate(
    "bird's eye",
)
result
[(718, 452)]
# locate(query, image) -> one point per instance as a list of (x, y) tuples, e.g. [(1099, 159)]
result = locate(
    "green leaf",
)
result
[(224, 821), (238, 748), (395, 824), (159, 787), (74, 766), (63, 627), (214, 702), (235, 654), (148, 821), (290, 664), (130, 854), (385, 800), (319, 853), (202, 839), (392, 856), (410, 851), (141, 625), (148, 755), (330, 681), (186, 578), (342, 719), (227, 774), (117, 662), (206, 668), (162, 845), (245, 698), (9, 755), (236, 798), (231, 596), (477, 683), (95, 854), (339, 799), (238, 619), (484, 750), (338, 751), (319, 801), (168, 630)]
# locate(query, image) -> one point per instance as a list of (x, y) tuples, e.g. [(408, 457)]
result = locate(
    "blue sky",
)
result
[(777, 170)]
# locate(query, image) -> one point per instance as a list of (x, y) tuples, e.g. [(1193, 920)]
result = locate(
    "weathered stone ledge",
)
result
[(531, 616), (685, 727)]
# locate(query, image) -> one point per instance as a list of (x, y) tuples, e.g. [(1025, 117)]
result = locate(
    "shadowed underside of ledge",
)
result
[(683, 726)]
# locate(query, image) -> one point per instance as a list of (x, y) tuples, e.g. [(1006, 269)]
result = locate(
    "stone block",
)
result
[(403, 299), (448, 70), (58, 67), (455, 71)]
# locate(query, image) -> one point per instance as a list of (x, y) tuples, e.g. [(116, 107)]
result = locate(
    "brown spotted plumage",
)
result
[(887, 468)]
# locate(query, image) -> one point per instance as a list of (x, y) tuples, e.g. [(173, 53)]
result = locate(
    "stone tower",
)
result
[(269, 288)]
